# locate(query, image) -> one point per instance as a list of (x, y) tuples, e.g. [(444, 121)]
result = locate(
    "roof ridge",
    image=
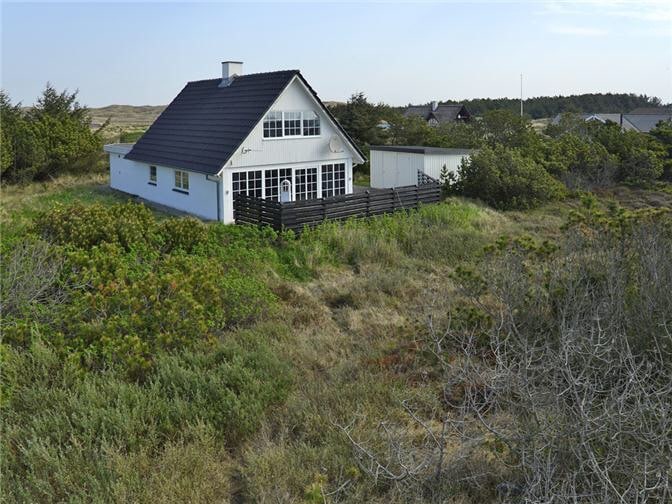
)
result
[(246, 75)]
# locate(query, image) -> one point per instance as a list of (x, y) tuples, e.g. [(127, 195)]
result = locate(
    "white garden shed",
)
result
[(400, 165)]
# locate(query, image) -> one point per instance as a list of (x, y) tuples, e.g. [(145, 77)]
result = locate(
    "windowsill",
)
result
[(181, 191), (151, 183)]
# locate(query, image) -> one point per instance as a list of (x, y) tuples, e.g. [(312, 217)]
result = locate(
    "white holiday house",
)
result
[(266, 135)]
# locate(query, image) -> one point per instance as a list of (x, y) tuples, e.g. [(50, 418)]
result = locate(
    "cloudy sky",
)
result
[(143, 53)]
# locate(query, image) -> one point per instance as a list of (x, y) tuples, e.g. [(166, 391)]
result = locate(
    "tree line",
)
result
[(515, 166), (549, 106)]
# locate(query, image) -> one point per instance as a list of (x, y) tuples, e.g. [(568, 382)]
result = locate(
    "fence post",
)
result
[(368, 203), (324, 210)]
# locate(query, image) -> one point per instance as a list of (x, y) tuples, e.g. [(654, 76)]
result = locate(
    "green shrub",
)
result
[(185, 234), (124, 311), (505, 179), (129, 225)]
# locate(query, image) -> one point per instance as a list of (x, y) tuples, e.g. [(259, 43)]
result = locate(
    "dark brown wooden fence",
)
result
[(297, 214)]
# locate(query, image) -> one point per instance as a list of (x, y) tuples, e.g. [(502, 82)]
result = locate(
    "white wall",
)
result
[(132, 177), (395, 169), (398, 169), (434, 163), (258, 151)]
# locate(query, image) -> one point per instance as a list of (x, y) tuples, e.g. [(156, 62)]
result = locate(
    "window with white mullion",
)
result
[(306, 183), (181, 180), (273, 125), (272, 181), (249, 183), (311, 123), (333, 179), (292, 123)]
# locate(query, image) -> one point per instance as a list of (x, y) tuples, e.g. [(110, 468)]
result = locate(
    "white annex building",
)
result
[(401, 165), (266, 135)]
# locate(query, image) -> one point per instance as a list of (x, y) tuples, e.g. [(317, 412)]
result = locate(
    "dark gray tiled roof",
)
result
[(443, 113), (645, 122), (205, 124), (419, 149)]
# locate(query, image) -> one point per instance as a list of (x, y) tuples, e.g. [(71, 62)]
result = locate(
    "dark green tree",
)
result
[(506, 179), (663, 134), (53, 137)]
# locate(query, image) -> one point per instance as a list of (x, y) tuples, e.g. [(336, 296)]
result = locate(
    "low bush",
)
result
[(69, 435), (128, 225)]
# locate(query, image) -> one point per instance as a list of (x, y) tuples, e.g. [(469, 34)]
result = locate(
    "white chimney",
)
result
[(435, 105), (230, 69)]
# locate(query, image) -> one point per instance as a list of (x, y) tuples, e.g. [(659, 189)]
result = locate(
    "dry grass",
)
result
[(351, 334)]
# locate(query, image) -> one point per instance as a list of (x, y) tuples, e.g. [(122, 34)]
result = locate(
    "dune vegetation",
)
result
[(150, 358)]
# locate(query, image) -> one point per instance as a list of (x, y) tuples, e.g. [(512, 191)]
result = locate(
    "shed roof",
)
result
[(205, 124), (419, 149)]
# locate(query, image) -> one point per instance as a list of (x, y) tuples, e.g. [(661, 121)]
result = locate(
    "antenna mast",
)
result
[(521, 95)]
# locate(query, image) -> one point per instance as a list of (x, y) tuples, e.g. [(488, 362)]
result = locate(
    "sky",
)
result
[(398, 53)]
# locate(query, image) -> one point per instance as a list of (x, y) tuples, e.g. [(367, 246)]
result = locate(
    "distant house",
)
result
[(405, 165), (437, 113), (642, 120), (266, 135)]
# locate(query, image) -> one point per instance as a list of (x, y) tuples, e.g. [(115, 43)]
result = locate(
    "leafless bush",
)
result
[(29, 275), (568, 386)]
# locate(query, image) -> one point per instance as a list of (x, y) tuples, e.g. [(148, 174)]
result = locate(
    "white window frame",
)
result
[(282, 126), (253, 181), (152, 176), (273, 181), (181, 181), (318, 126), (335, 186), (302, 195), (285, 120)]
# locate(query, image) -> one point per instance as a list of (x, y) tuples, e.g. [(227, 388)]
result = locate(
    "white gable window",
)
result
[(152, 175), (181, 181), (273, 125), (311, 124), (292, 123), (333, 179)]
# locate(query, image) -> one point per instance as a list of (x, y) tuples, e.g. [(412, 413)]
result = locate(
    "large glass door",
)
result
[(306, 183)]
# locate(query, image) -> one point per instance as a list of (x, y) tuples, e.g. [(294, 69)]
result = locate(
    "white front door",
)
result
[(285, 191)]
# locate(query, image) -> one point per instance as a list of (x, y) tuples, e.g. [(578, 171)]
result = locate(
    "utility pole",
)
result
[(521, 95)]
